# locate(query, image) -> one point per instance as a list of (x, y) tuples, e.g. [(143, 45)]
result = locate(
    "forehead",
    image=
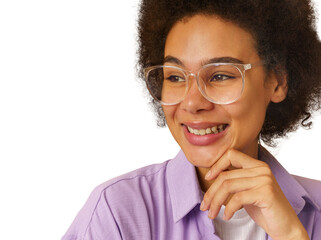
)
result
[(196, 39)]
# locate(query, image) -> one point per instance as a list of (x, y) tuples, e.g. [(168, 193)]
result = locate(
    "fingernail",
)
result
[(208, 175), (210, 213), (202, 205)]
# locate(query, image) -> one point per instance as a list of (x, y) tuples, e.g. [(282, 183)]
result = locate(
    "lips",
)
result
[(203, 134)]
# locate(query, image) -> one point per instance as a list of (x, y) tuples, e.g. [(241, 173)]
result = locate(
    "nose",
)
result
[(194, 101)]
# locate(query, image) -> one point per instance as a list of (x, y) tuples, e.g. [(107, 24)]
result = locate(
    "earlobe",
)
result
[(280, 90)]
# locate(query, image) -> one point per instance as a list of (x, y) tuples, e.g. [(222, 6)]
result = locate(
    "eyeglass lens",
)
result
[(220, 83)]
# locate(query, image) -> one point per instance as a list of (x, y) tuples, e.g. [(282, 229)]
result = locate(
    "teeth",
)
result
[(202, 132), (214, 129), (196, 132)]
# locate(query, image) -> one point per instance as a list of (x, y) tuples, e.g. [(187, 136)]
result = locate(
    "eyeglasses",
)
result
[(220, 83)]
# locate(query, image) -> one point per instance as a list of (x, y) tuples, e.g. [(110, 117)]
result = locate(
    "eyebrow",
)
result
[(223, 60), (171, 59)]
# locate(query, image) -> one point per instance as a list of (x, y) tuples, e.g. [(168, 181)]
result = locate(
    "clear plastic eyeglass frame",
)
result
[(240, 67)]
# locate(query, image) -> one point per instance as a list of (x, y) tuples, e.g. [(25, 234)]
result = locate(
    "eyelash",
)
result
[(222, 77), (170, 78)]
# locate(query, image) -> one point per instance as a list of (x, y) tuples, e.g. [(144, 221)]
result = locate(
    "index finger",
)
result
[(232, 158)]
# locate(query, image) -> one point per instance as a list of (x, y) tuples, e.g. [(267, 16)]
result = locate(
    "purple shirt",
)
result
[(162, 201)]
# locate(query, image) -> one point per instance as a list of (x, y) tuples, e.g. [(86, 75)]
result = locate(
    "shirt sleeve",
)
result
[(95, 221)]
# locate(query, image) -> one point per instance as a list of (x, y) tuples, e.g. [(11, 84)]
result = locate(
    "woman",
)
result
[(223, 75)]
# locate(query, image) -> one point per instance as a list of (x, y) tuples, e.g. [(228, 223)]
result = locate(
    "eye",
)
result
[(174, 78), (220, 77)]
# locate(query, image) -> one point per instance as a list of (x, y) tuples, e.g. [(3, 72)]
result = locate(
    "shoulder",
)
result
[(108, 198), (132, 183), (150, 174), (308, 183)]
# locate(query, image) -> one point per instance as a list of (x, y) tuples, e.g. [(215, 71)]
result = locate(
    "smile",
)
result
[(210, 130)]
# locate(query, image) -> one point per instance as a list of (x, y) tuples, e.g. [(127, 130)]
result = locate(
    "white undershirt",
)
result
[(240, 227)]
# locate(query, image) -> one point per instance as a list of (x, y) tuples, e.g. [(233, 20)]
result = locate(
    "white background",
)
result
[(73, 113)]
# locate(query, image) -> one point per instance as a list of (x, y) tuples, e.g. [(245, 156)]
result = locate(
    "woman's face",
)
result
[(194, 41)]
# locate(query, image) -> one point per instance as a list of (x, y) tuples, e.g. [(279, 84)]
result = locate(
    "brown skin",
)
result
[(195, 42), (235, 177)]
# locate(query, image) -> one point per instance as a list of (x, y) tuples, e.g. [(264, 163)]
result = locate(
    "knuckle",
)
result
[(227, 184), (230, 153), (238, 197), (266, 170), (267, 180)]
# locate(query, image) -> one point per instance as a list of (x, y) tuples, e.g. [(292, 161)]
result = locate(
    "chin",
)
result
[(203, 156)]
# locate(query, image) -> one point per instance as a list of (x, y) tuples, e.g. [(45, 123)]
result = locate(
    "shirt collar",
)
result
[(185, 192), (294, 192)]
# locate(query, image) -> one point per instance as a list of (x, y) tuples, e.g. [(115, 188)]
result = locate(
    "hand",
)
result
[(251, 185)]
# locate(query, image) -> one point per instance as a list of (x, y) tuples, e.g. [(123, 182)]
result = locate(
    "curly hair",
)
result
[(286, 40)]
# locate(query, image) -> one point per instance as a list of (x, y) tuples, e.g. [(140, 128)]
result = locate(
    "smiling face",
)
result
[(192, 43)]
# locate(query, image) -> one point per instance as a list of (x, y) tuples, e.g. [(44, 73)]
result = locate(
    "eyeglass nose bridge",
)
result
[(198, 82)]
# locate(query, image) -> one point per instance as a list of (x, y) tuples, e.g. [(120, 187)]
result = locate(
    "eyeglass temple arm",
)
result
[(249, 66)]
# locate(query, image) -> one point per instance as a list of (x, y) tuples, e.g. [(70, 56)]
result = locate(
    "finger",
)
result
[(241, 199), (228, 188), (235, 159), (223, 176)]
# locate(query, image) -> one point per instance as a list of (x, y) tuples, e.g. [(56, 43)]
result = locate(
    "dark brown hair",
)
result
[(286, 40)]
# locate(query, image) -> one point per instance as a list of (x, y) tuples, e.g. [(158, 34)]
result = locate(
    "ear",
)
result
[(280, 89)]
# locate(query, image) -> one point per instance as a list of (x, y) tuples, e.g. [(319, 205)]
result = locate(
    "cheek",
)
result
[(170, 113), (248, 116)]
